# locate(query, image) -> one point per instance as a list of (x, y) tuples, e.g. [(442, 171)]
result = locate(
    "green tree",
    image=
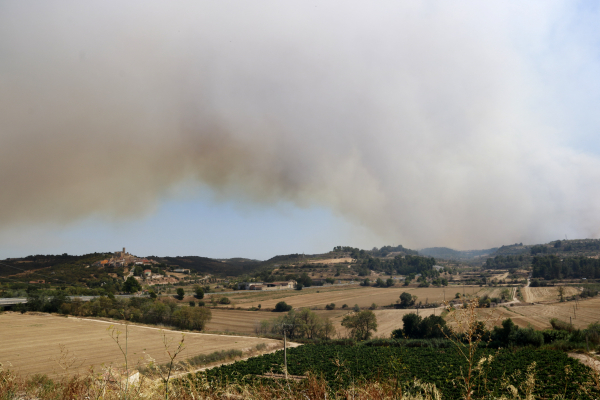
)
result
[(194, 318), (180, 293), (361, 324), (407, 300), (282, 306), (131, 285), (199, 292), (224, 300), (60, 297)]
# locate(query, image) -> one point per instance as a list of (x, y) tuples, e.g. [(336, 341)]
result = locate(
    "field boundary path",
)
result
[(587, 360)]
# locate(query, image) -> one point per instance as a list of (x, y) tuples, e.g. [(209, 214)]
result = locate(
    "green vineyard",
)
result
[(341, 366)]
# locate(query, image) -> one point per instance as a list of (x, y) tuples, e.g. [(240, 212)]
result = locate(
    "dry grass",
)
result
[(350, 295), (539, 315), (244, 322), (91, 386), (581, 313), (546, 294), (30, 343), (237, 321)]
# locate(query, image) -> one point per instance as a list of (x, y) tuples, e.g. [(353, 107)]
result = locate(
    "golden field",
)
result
[(318, 297), (31, 344)]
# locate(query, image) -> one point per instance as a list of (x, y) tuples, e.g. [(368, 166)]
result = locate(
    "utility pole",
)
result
[(284, 328), (285, 354)]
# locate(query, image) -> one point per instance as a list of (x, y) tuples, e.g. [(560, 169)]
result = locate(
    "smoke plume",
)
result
[(428, 123)]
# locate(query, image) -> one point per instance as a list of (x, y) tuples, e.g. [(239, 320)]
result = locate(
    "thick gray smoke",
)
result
[(423, 122)]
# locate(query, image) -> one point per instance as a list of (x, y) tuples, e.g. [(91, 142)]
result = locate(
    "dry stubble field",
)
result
[(539, 315), (240, 321), (318, 297), (244, 322), (30, 343), (546, 294)]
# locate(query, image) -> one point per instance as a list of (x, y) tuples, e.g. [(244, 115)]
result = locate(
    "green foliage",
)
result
[(193, 318), (224, 300), (553, 267), (330, 306), (407, 300), (342, 365), (361, 325), (199, 292), (131, 285), (402, 265), (282, 306), (303, 324), (180, 293), (140, 309), (431, 327)]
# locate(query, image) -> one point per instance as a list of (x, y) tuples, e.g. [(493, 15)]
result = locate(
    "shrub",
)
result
[(282, 306), (224, 300), (192, 303), (180, 293), (561, 325), (345, 306), (330, 306)]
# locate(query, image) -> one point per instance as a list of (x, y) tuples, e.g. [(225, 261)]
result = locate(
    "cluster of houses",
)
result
[(123, 259), (266, 285)]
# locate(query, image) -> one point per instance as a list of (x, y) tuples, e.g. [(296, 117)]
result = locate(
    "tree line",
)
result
[(138, 309), (552, 267)]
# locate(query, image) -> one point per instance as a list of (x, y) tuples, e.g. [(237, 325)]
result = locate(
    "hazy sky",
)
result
[(258, 128)]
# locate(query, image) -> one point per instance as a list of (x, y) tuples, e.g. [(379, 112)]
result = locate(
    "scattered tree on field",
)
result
[(360, 324), (282, 306)]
